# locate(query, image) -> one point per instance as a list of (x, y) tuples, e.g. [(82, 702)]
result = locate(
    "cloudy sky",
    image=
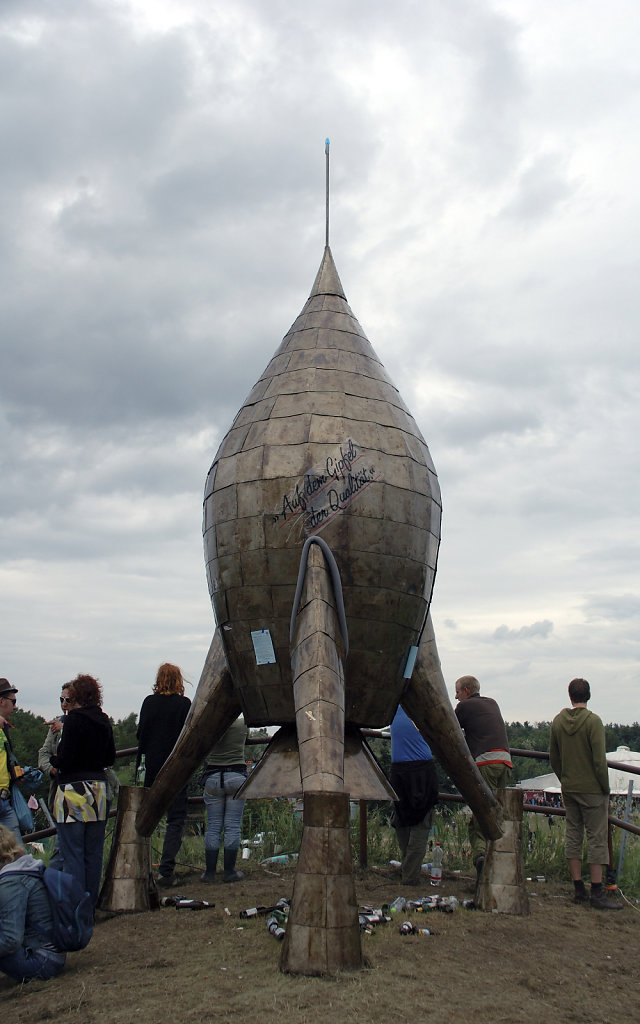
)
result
[(162, 220)]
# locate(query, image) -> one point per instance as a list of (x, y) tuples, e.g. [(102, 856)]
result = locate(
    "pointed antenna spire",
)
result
[(326, 150)]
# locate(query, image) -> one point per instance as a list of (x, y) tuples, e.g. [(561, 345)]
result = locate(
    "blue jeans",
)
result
[(81, 845), (28, 963), (223, 812), (9, 820)]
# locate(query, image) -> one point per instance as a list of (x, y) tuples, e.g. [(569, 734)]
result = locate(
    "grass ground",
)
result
[(562, 962)]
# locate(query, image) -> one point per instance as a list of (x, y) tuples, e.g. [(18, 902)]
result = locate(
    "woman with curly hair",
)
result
[(80, 804), (162, 715), (26, 924)]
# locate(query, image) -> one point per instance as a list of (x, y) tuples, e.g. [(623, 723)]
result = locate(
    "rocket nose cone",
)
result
[(327, 281)]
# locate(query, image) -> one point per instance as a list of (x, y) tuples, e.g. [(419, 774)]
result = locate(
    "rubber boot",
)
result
[(210, 859), (230, 873), (478, 864)]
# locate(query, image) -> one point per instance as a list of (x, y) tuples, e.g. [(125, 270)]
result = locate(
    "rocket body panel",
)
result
[(323, 445)]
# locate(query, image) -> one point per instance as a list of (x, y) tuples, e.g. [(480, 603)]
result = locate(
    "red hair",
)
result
[(86, 691), (169, 680)]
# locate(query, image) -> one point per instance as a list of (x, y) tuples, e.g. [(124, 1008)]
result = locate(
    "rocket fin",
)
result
[(278, 772), (323, 932), (317, 657), (427, 703), (215, 707)]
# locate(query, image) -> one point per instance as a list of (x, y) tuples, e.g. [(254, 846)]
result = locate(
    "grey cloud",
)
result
[(542, 629), (541, 188), (613, 607)]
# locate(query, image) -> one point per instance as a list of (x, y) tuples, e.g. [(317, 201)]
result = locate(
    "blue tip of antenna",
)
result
[(326, 142)]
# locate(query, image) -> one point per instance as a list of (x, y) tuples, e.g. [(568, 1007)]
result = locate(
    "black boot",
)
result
[(230, 873), (601, 901), (210, 859)]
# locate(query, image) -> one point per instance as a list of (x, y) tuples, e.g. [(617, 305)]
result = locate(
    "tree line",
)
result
[(30, 730)]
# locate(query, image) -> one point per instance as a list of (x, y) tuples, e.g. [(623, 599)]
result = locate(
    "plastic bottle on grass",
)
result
[(436, 865), (398, 905)]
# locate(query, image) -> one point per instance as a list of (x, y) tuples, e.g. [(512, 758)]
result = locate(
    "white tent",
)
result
[(541, 784), (618, 780)]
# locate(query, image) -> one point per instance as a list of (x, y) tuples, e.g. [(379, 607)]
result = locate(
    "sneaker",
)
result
[(580, 895), (166, 881), (602, 902)]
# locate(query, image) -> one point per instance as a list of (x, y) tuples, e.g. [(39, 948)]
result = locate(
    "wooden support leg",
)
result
[(128, 879), (501, 887), (323, 934)]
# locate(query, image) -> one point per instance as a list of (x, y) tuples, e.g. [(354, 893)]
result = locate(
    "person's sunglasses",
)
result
[(12, 700), (66, 700)]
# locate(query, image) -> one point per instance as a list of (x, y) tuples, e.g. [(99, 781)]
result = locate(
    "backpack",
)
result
[(71, 910)]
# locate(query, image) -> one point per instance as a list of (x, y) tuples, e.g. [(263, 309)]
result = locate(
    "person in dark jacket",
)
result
[(80, 804), (484, 730), (162, 715), (26, 924), (415, 780)]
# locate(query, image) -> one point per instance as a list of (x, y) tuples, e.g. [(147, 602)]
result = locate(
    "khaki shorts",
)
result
[(587, 812)]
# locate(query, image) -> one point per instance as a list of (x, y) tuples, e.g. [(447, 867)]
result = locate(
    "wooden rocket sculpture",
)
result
[(321, 532)]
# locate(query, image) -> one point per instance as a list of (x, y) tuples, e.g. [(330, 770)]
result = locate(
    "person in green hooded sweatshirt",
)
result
[(578, 757)]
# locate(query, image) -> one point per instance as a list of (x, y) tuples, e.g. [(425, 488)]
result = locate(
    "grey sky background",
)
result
[(162, 221)]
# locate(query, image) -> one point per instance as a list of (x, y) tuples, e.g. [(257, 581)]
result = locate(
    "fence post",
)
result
[(363, 834), (627, 817)]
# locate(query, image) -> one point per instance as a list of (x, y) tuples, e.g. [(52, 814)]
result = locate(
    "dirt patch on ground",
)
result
[(561, 963)]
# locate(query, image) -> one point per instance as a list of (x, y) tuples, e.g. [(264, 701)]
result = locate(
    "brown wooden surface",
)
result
[(323, 933), (278, 771), (502, 888), (128, 881)]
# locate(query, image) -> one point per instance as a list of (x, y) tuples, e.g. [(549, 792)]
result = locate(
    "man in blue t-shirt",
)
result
[(415, 780)]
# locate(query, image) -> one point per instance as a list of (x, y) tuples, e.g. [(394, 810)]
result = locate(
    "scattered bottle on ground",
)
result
[(255, 912), (408, 928), (281, 858), (180, 903), (436, 865), (275, 927)]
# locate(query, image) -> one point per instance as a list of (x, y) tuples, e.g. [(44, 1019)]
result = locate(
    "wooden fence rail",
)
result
[(539, 755)]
